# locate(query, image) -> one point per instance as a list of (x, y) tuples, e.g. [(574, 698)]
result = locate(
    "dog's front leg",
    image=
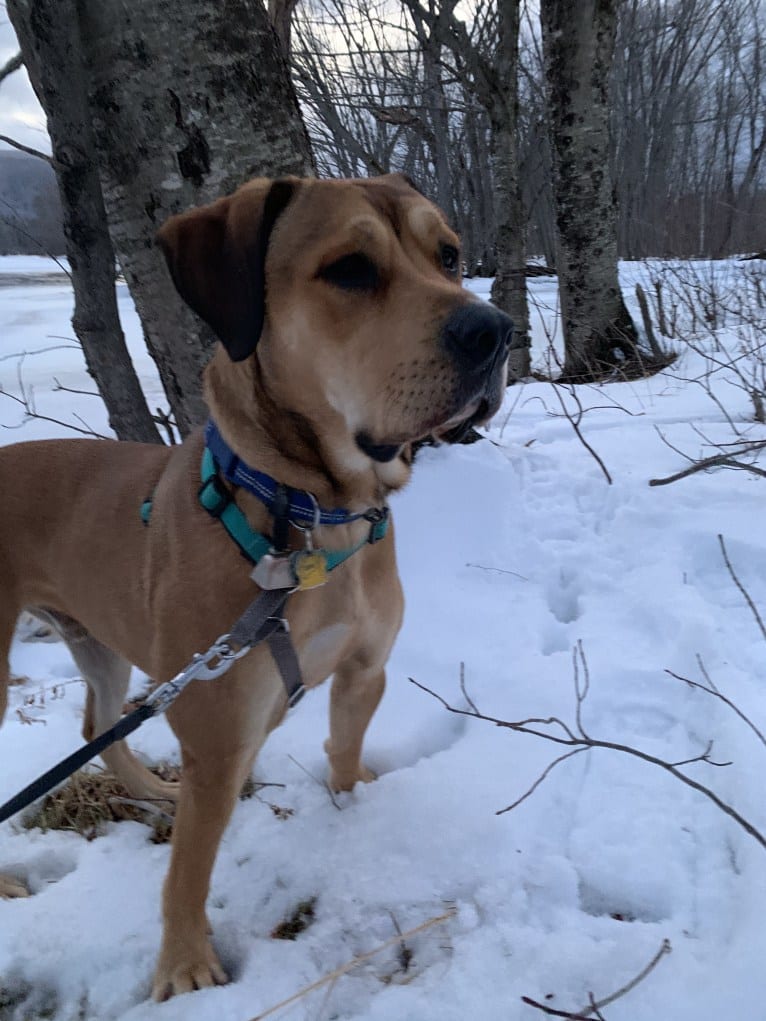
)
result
[(354, 697), (209, 789)]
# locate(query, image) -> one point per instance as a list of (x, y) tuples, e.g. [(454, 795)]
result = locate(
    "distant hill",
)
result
[(30, 211)]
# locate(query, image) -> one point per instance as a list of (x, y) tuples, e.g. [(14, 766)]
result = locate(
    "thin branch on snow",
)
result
[(26, 400), (574, 421), (582, 741), (72, 390), (464, 690), (738, 583), (40, 351), (593, 1008), (726, 459), (710, 689), (322, 783), (543, 776)]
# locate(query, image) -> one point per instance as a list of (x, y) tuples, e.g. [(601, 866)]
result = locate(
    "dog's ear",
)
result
[(217, 258)]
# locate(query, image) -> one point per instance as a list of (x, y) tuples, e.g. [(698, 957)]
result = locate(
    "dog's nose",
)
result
[(476, 334)]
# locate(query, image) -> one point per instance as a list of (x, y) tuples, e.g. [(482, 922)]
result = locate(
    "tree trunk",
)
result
[(509, 290), (281, 17), (187, 101), (48, 34), (578, 43)]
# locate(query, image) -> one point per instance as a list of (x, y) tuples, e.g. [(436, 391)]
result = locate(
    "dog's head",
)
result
[(348, 296)]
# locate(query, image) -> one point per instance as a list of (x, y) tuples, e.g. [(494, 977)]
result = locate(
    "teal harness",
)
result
[(309, 567)]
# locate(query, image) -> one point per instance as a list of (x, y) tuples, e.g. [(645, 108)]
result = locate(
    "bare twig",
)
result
[(740, 586), (322, 783), (464, 690), (27, 149), (574, 421), (710, 689), (11, 65), (552, 1012), (164, 419), (593, 1007), (582, 741), (543, 776), (665, 948), (723, 460), (30, 412), (71, 390), (39, 351)]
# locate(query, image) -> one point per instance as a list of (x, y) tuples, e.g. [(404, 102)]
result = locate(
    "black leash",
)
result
[(262, 621)]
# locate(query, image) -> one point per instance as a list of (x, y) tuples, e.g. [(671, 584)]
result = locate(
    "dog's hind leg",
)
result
[(107, 675), (10, 886)]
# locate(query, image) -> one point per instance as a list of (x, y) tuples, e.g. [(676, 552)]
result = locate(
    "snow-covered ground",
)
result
[(511, 551)]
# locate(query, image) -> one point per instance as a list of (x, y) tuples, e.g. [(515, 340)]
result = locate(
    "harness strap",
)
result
[(268, 609)]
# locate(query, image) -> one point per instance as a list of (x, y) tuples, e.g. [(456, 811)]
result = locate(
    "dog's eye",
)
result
[(355, 272), (450, 258)]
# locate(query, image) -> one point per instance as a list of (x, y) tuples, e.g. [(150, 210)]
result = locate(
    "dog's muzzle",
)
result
[(477, 337)]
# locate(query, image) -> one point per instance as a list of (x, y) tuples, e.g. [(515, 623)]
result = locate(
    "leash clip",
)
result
[(204, 664)]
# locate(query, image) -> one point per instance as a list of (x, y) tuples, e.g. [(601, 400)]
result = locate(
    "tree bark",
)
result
[(48, 34), (509, 288), (281, 16), (490, 74), (578, 43), (187, 101)]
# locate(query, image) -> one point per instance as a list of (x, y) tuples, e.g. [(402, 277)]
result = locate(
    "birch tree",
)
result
[(176, 105), (578, 44)]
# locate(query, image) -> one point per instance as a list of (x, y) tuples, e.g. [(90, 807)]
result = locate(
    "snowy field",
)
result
[(511, 551)]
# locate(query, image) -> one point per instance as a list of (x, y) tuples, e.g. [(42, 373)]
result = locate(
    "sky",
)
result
[(20, 115)]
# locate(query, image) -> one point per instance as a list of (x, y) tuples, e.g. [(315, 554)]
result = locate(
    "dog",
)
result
[(345, 338)]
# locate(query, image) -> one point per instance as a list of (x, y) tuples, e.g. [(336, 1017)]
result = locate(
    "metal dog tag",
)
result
[(273, 571), (310, 567)]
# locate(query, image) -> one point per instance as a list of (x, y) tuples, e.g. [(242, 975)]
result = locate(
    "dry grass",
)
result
[(91, 798), (298, 921)]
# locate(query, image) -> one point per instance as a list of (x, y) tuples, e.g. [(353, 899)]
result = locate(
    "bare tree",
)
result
[(578, 42), (689, 126), (418, 90), (52, 56), (179, 103)]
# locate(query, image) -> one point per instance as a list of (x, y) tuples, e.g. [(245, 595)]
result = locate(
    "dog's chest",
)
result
[(322, 650)]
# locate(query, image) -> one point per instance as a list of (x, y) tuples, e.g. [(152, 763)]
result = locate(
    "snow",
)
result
[(511, 552)]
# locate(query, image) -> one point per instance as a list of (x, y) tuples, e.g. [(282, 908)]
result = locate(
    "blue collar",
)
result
[(301, 506)]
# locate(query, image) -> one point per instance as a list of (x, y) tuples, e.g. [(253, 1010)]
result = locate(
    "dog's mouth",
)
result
[(454, 430), (477, 412)]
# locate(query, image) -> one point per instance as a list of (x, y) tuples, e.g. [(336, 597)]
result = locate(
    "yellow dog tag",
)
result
[(310, 569)]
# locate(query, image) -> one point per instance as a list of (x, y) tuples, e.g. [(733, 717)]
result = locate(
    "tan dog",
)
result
[(346, 336)]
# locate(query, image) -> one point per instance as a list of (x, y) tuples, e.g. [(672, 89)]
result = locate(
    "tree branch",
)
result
[(27, 149), (11, 65)]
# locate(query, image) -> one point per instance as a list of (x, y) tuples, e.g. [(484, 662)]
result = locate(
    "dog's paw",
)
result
[(344, 772), (183, 971), (10, 887), (344, 782)]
